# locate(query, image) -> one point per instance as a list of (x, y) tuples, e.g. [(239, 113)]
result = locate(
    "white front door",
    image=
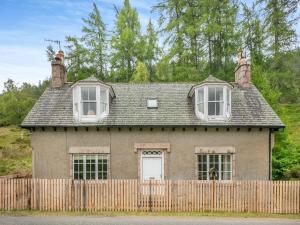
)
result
[(152, 166)]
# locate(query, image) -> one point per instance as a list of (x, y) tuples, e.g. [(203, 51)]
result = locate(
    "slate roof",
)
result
[(175, 108)]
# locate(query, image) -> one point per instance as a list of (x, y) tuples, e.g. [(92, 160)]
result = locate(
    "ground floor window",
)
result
[(220, 163), (90, 166)]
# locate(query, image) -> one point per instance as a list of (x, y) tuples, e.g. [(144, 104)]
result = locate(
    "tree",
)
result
[(125, 43), (141, 73), (280, 20), (50, 53), (203, 36), (253, 30), (87, 55), (94, 39), (221, 35), (77, 58), (152, 50), (16, 102)]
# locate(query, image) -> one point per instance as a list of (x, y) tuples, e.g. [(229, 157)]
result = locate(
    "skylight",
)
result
[(152, 103)]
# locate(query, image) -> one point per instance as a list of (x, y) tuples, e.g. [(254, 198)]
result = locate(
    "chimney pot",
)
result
[(59, 72), (242, 71)]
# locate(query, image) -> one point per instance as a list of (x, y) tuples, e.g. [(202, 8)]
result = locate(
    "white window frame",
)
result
[(78, 104), (88, 101), (219, 163), (96, 165), (226, 105)]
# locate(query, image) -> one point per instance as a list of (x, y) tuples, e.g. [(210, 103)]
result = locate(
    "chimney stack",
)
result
[(59, 72), (242, 71)]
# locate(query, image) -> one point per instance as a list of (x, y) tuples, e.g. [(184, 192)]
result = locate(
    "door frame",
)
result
[(152, 156)]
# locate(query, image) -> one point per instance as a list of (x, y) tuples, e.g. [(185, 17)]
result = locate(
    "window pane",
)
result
[(211, 108), (92, 108), (202, 167), (219, 108), (84, 93), (85, 106), (201, 95), (102, 167), (103, 101), (219, 93), (211, 94), (201, 107), (90, 167), (92, 93)]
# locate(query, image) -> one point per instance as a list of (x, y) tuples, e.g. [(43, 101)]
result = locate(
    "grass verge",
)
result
[(176, 214)]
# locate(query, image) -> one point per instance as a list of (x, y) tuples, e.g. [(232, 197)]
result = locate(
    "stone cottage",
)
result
[(207, 130)]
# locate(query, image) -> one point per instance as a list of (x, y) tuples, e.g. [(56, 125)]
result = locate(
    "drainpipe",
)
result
[(270, 154)]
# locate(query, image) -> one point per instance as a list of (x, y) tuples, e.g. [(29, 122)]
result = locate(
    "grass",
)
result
[(15, 151), (291, 117), (176, 214)]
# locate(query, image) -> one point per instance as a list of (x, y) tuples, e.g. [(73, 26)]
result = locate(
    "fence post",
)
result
[(150, 196)]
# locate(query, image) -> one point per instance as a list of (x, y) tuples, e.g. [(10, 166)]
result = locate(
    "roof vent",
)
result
[(152, 103)]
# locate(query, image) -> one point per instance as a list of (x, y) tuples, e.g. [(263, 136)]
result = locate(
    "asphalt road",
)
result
[(139, 220)]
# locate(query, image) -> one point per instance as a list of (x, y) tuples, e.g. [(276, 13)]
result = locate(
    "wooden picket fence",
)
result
[(134, 195)]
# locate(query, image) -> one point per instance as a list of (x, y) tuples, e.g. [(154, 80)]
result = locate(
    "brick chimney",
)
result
[(59, 72), (242, 71)]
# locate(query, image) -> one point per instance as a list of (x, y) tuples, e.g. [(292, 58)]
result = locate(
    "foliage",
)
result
[(141, 74), (280, 20), (16, 102), (126, 43), (87, 55), (15, 151), (286, 153)]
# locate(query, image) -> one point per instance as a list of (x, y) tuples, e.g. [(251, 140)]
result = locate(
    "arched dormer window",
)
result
[(212, 99), (91, 100)]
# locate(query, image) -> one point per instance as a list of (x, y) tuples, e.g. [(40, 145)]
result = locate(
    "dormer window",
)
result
[(91, 100), (213, 102)]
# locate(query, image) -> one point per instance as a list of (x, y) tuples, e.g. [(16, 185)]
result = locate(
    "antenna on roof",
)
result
[(55, 42)]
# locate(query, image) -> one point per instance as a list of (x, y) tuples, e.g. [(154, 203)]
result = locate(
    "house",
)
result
[(207, 130)]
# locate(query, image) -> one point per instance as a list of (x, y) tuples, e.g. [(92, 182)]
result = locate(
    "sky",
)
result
[(25, 24)]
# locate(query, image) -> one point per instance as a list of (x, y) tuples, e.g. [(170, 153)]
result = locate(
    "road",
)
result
[(139, 220)]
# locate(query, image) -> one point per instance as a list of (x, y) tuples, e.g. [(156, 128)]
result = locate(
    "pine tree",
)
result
[(77, 58), (125, 43), (170, 21), (141, 73), (221, 35), (253, 30), (87, 55), (95, 41), (152, 50), (280, 20)]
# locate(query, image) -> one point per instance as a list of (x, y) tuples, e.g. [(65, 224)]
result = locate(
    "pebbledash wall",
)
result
[(52, 157)]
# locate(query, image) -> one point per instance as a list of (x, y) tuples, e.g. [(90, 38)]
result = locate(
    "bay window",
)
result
[(213, 102), (90, 102)]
